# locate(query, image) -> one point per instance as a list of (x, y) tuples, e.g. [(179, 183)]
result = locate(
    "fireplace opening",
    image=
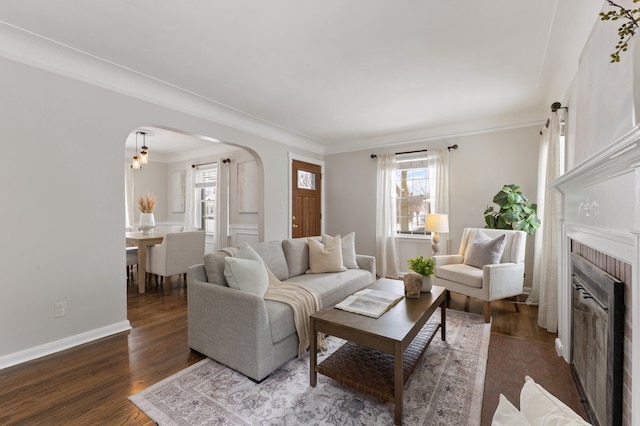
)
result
[(597, 340)]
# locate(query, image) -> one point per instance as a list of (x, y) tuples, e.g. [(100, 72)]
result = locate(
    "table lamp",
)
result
[(437, 223)]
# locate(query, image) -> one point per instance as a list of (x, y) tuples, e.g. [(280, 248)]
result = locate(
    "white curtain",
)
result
[(190, 199), (387, 262), (547, 239), (438, 164), (129, 202)]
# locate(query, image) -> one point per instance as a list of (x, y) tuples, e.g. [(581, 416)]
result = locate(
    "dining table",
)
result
[(142, 241)]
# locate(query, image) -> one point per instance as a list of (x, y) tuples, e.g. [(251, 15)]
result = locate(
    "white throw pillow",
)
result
[(325, 258), (348, 249), (246, 275), (540, 408), (507, 415), (484, 250)]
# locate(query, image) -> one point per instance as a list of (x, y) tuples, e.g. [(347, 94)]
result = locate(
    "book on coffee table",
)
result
[(372, 303)]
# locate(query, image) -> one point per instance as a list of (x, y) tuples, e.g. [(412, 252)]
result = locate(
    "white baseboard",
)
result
[(62, 344)]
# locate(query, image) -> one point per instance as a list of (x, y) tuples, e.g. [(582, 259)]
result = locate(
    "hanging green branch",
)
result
[(628, 28)]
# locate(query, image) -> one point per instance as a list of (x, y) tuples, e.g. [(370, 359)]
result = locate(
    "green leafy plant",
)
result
[(422, 266), (515, 212), (627, 30)]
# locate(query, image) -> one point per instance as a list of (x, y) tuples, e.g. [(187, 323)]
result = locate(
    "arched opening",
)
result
[(197, 183)]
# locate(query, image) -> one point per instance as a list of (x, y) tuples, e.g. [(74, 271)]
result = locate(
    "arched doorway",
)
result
[(198, 183)]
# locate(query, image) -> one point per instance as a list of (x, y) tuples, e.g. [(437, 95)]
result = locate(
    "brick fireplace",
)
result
[(598, 334)]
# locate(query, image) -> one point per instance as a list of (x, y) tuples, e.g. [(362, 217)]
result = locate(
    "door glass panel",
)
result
[(306, 180)]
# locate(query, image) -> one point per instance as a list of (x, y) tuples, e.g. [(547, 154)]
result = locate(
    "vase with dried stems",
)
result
[(146, 204)]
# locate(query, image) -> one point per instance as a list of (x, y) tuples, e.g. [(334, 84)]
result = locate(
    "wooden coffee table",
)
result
[(381, 353)]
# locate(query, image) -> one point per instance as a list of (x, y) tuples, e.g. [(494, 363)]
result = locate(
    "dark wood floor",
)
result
[(90, 384)]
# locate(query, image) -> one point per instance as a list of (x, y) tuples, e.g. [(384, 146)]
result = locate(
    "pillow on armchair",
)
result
[(484, 250)]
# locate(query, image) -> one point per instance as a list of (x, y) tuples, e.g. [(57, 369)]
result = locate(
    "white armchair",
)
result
[(482, 271), (175, 254)]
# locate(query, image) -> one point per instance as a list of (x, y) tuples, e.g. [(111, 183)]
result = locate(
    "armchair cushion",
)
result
[(484, 250), (461, 273)]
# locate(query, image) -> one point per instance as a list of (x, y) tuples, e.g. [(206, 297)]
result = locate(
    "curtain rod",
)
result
[(419, 150), (224, 160), (554, 108)]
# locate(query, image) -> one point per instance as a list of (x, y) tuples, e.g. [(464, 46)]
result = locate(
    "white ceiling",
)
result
[(346, 73)]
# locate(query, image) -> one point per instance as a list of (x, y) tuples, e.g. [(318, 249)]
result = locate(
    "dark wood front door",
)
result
[(306, 200)]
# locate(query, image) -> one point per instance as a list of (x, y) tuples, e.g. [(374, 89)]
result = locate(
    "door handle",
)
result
[(294, 226)]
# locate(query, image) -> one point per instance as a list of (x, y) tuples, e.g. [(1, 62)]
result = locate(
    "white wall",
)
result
[(61, 174), (235, 218), (151, 179), (479, 168)]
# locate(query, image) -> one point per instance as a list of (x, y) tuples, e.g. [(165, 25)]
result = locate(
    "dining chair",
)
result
[(175, 254), (132, 260)]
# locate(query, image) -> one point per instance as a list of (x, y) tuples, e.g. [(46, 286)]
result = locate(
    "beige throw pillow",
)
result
[(348, 243), (484, 250), (325, 257)]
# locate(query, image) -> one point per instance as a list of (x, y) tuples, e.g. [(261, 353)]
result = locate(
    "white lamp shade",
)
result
[(437, 222)]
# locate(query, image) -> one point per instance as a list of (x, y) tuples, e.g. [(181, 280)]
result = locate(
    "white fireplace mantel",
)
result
[(621, 157), (613, 228)]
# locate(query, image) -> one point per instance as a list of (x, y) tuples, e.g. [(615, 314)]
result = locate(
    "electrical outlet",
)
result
[(59, 309)]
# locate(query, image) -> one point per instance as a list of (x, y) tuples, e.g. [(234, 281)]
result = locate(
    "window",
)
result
[(206, 201), (413, 200)]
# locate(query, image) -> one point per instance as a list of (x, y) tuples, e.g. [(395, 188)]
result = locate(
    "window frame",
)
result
[(406, 165)]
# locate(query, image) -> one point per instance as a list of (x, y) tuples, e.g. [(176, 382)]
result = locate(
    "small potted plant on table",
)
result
[(425, 267)]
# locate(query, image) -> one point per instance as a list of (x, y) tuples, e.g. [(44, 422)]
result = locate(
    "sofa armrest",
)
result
[(448, 259), (504, 279), (214, 329), (367, 263)]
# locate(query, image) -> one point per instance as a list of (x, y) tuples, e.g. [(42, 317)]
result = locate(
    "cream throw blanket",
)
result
[(303, 301)]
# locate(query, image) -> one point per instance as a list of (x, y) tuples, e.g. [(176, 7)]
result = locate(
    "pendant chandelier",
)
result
[(143, 157)]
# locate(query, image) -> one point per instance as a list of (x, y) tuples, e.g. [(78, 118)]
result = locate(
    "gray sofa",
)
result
[(247, 333)]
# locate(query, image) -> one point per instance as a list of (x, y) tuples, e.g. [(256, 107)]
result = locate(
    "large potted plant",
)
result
[(426, 268), (515, 211)]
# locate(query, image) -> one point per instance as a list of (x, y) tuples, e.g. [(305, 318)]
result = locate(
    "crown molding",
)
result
[(426, 135), (34, 50)]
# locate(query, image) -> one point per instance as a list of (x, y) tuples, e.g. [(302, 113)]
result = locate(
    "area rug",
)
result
[(445, 389)]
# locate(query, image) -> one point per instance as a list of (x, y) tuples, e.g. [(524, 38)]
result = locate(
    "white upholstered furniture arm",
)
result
[(367, 263), (503, 279), (216, 329), (448, 259)]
